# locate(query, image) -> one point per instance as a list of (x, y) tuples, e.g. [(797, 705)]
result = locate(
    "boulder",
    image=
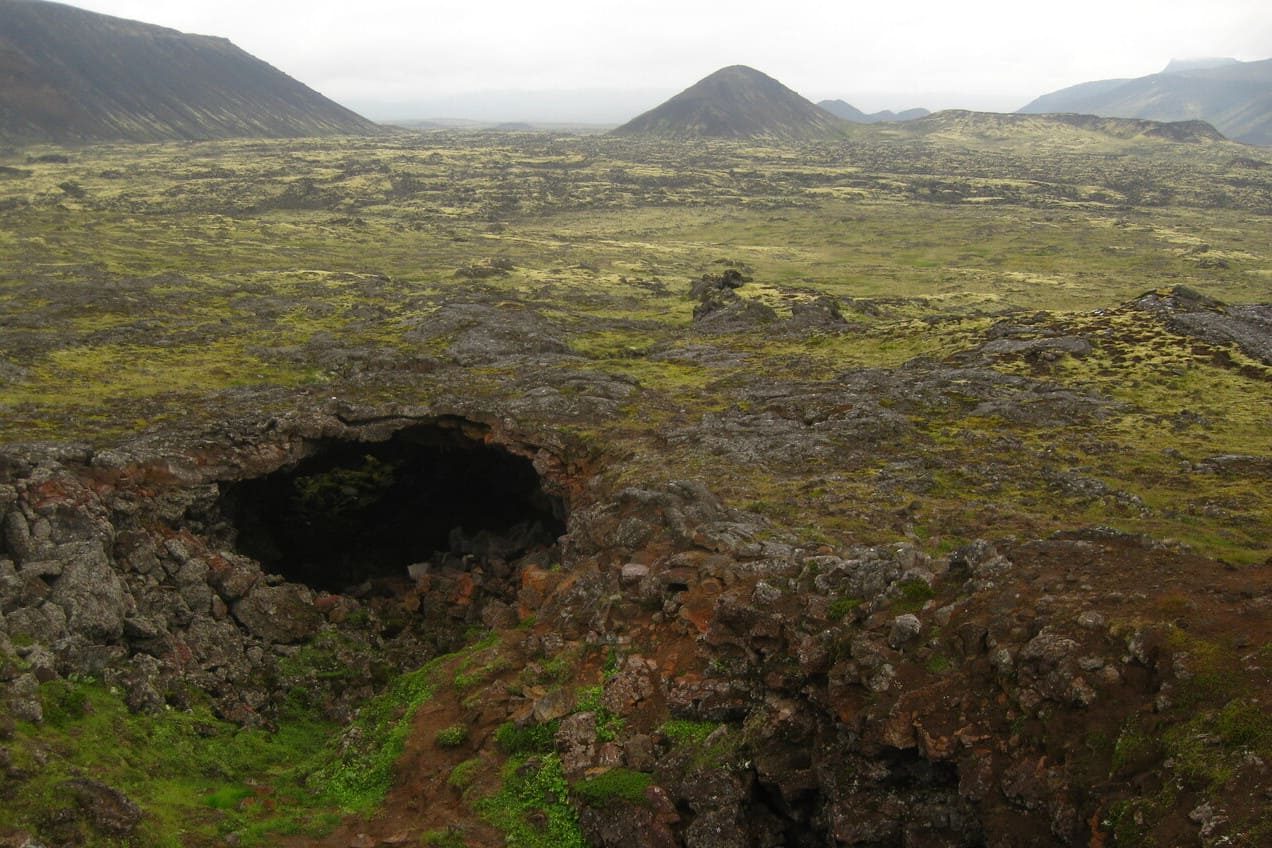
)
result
[(92, 595), (904, 629), (279, 614)]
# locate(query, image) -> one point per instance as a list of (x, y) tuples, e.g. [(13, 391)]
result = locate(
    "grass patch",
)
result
[(532, 806), (227, 797), (358, 773), (528, 739), (188, 770)]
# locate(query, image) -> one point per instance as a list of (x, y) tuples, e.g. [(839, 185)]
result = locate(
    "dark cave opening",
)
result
[(364, 511)]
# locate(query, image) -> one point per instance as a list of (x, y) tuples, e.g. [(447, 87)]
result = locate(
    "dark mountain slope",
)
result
[(736, 102), (68, 75), (1236, 97)]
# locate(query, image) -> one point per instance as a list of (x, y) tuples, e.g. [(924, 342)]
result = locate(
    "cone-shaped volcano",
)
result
[(736, 102)]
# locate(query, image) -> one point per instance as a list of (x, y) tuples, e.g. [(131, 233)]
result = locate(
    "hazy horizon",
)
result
[(569, 61)]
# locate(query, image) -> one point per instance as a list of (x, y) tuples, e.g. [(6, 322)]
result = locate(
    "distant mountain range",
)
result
[(1235, 97), (848, 112), (736, 102), (69, 76), (72, 76)]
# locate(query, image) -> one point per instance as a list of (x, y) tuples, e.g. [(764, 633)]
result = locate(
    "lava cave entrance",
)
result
[(357, 512)]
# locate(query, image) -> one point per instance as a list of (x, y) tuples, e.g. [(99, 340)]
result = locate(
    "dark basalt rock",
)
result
[(730, 278), (721, 309), (123, 564), (105, 808)]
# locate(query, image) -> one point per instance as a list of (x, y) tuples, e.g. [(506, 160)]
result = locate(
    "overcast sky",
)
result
[(490, 58)]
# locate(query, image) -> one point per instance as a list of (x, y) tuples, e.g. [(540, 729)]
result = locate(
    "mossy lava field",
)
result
[(529, 489)]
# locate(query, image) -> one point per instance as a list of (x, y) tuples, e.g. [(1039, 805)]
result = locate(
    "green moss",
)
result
[(710, 745), (840, 608), (1129, 821), (1214, 744), (1134, 748), (324, 657), (686, 731), (618, 785), (1245, 724), (227, 797), (1214, 670)]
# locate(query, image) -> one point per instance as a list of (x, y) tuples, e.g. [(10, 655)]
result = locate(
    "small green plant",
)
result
[(588, 698), (616, 785), (557, 669), (463, 775), (64, 702), (609, 725), (451, 737), (913, 595), (841, 607), (613, 660)]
